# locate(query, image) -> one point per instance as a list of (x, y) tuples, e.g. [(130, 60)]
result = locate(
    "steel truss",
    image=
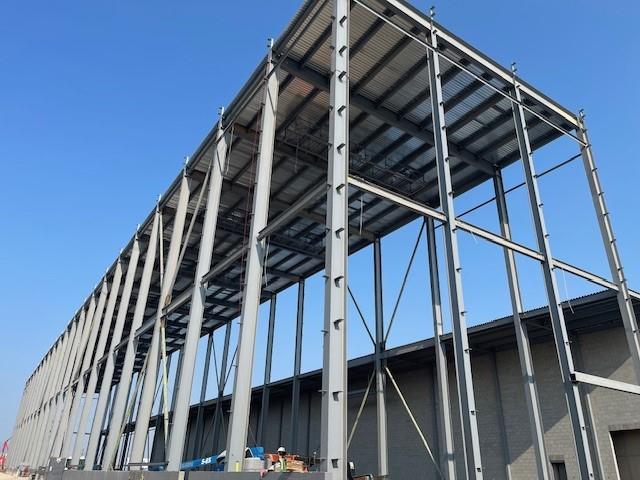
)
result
[(229, 275)]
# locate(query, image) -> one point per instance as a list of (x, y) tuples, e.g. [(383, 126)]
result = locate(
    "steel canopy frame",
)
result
[(48, 391)]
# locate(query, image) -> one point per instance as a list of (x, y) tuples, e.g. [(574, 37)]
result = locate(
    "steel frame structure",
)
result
[(334, 117)]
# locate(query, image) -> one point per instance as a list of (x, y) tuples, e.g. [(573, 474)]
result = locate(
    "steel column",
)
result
[(297, 367), (15, 436), (76, 355), (62, 382), (45, 446), (264, 408), (70, 407), (43, 410), (506, 455), (197, 450), (466, 397), (198, 301), (585, 391), (151, 373), (447, 458), (107, 375), (241, 399), (572, 394), (40, 378), (93, 376), (120, 401), (381, 405), (96, 319), (609, 241), (522, 337), (35, 418), (221, 384), (333, 422)]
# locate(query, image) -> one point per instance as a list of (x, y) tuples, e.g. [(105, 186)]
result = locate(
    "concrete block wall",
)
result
[(603, 353)]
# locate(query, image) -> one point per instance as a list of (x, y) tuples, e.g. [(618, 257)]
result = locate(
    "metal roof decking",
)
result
[(391, 146)]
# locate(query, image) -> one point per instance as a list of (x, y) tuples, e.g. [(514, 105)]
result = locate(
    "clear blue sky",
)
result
[(100, 102)]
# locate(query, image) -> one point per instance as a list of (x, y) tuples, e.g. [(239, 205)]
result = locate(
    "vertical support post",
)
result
[(197, 442), (151, 373), (381, 405), (93, 376), (198, 301), (65, 345), (45, 410), (25, 423), (466, 397), (157, 452), (82, 372), (447, 459), (37, 415), (522, 337), (56, 450), (609, 241), (264, 408), (585, 391), (107, 375), (197, 447), (563, 348), (297, 366), (120, 401), (506, 455), (61, 384), (333, 428), (241, 399), (221, 384), (17, 433)]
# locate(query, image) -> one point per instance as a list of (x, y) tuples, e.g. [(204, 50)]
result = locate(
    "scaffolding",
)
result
[(364, 115)]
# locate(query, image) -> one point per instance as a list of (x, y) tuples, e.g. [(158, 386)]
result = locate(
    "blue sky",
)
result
[(100, 102)]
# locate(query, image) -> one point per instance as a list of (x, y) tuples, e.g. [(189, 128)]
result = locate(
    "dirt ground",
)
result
[(6, 476)]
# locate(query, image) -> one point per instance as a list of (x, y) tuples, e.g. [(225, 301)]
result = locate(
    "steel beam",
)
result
[(93, 376), (572, 394), (381, 404), (447, 459), (264, 408), (522, 337), (605, 383), (494, 238), (318, 80), (119, 403), (241, 399), (107, 374), (297, 367), (333, 423), (466, 396), (198, 301), (427, 25), (145, 406), (609, 241)]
